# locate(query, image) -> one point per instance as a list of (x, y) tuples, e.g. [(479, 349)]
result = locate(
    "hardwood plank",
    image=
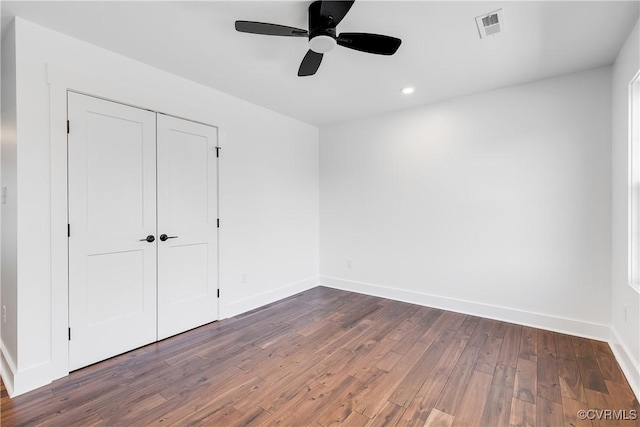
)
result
[(254, 417), (408, 388), (210, 401), (226, 416), (302, 406), (546, 344), (526, 381), (420, 407), (498, 329), (528, 344), (344, 399), (440, 329), (388, 361), (426, 335), (405, 327), (138, 407), (570, 411), (375, 398), (548, 380), (510, 346), (388, 416), (359, 313), (431, 317), (473, 400), (451, 395), (523, 414), (570, 381), (582, 347), (497, 409), (603, 402), (439, 419), (481, 332), (368, 357), (601, 347), (564, 347), (354, 419), (346, 339), (623, 396), (548, 413), (277, 395), (591, 375), (610, 369), (469, 326), (488, 355), (334, 368)]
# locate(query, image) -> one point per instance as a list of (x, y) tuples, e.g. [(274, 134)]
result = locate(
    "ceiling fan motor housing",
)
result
[(322, 31)]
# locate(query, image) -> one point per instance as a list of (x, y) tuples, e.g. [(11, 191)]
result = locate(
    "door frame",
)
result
[(61, 81)]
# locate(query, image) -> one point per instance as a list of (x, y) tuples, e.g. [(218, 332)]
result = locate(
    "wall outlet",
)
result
[(4, 314), (349, 263)]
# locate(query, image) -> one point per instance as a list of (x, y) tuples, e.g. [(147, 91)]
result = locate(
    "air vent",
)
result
[(490, 24)]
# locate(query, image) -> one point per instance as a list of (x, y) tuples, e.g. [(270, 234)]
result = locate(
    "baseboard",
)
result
[(7, 369), (527, 318), (19, 382), (628, 363), (255, 301)]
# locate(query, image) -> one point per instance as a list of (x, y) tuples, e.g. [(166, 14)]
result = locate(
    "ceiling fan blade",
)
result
[(310, 64), (269, 29), (335, 11), (370, 43)]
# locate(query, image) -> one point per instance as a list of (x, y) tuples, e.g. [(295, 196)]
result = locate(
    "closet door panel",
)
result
[(112, 209), (187, 215)]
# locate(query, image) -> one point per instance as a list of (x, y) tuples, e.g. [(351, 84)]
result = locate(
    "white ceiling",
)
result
[(441, 55)]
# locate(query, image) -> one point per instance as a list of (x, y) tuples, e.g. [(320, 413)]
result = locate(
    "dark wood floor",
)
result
[(327, 357)]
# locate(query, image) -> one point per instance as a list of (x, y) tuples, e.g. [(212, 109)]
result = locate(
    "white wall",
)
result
[(268, 187), (496, 204), (8, 265), (625, 333)]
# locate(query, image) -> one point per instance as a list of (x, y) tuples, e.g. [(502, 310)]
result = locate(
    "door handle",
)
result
[(164, 237), (149, 239)]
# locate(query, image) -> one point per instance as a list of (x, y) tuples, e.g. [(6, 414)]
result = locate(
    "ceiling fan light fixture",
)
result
[(324, 16), (322, 43)]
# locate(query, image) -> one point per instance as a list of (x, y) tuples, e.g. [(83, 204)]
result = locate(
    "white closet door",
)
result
[(112, 209), (187, 215)]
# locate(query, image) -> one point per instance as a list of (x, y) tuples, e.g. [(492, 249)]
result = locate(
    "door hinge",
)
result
[(68, 126), (69, 334), (218, 151), (68, 230), (218, 222), (218, 293)]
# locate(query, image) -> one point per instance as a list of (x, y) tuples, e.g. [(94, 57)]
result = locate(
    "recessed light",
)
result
[(407, 90)]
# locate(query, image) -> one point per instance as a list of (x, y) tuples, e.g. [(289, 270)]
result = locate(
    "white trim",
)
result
[(19, 382), (527, 318), (7, 369), (633, 205), (629, 363), (272, 295), (58, 82)]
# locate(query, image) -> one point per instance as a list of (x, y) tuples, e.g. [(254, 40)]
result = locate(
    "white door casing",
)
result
[(112, 208), (187, 214)]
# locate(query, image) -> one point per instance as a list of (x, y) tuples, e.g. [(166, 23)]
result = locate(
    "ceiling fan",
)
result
[(324, 16)]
